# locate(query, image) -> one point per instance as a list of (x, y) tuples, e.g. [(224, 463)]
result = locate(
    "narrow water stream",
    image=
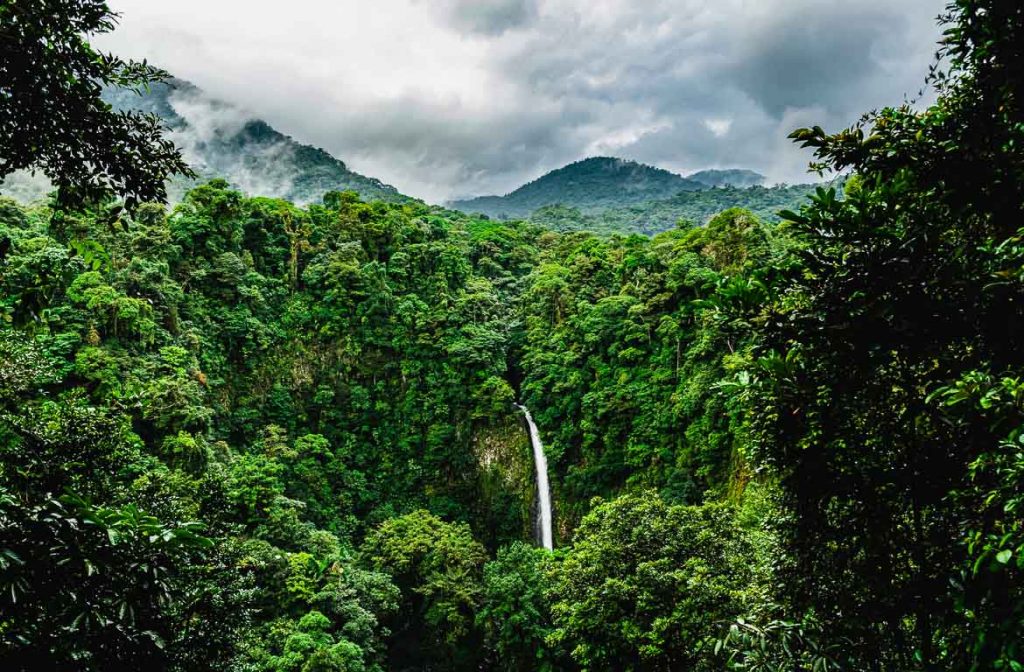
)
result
[(540, 462)]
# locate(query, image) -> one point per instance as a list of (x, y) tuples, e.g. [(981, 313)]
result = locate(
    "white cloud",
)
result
[(718, 127), (454, 97), (265, 169)]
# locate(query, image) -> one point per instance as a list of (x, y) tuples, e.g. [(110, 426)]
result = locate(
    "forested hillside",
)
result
[(290, 377), (590, 185), (608, 196), (244, 434)]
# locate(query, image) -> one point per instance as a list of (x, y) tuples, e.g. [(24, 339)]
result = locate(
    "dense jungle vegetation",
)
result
[(240, 434)]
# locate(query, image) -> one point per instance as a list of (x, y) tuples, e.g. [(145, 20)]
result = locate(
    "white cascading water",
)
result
[(540, 462)]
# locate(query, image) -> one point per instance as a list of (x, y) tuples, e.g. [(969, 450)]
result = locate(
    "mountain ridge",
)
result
[(222, 140), (589, 184), (600, 183)]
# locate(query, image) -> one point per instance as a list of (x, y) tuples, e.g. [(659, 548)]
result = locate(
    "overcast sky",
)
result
[(448, 98)]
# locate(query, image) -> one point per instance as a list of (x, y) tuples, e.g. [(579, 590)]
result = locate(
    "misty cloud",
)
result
[(265, 168), (448, 98)]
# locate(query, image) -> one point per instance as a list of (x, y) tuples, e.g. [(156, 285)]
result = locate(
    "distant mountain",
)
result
[(221, 140), (732, 177), (591, 185)]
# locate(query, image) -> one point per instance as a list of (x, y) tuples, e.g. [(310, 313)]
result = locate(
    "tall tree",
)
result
[(887, 394), (52, 117), (646, 585)]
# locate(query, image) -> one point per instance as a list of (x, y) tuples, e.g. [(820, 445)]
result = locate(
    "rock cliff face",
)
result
[(507, 486)]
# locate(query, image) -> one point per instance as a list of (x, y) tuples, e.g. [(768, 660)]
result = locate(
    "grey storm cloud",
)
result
[(831, 57), (448, 98), (492, 17)]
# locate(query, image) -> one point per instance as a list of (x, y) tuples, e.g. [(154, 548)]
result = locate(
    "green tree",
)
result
[(88, 577), (886, 390), (514, 613), (438, 566), (51, 113), (645, 586), (91, 584)]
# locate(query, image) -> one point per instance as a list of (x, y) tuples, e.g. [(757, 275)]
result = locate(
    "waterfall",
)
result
[(543, 489)]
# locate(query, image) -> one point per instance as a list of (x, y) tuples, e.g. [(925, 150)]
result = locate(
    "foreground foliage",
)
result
[(885, 391), (52, 117)]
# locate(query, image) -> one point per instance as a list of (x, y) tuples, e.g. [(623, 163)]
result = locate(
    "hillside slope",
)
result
[(221, 140), (591, 185)]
